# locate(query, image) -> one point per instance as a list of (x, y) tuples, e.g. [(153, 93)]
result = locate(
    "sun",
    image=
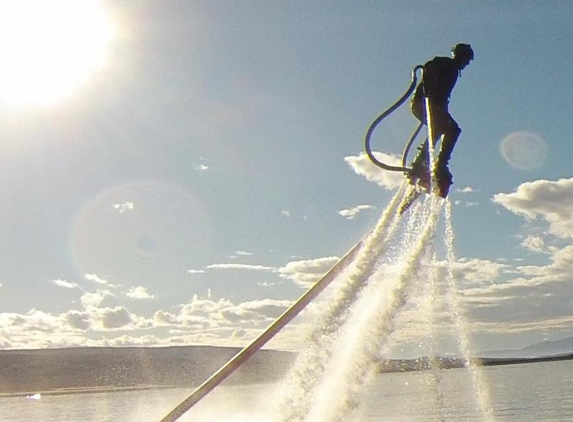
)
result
[(48, 49)]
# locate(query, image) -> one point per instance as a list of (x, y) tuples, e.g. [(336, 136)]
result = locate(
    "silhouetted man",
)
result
[(438, 79)]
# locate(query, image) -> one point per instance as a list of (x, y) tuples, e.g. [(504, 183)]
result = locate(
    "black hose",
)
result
[(385, 114)]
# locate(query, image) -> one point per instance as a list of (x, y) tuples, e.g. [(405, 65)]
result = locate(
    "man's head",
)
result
[(462, 55)]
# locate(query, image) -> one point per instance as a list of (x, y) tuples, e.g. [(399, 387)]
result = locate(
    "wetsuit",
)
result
[(438, 79)]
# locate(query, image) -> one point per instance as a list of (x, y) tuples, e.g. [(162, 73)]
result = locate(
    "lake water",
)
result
[(525, 393)]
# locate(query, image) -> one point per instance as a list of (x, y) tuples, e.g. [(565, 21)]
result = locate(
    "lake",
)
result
[(527, 393)]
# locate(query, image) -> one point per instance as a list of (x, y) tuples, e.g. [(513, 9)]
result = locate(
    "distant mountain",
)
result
[(99, 368), (543, 349)]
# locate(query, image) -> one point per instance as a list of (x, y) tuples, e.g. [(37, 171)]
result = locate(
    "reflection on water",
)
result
[(528, 393)]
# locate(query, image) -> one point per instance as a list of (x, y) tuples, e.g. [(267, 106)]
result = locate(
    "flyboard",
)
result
[(420, 173), (420, 182)]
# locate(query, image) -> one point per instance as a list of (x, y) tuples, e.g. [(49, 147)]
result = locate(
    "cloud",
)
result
[(240, 254), (113, 318), (467, 203), (126, 206), (95, 278), (214, 314), (201, 166), (307, 272), (139, 292), (467, 189), (77, 320), (269, 308), (65, 284), (246, 267), (243, 253), (534, 243), (551, 201), (199, 321), (353, 212), (197, 271), (94, 299), (475, 271), (362, 166)]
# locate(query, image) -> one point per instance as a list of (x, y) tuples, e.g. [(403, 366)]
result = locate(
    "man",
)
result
[(438, 79)]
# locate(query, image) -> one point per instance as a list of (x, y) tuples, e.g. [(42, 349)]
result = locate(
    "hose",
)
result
[(385, 114)]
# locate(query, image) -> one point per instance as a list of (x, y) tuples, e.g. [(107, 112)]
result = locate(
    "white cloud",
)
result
[(166, 318), (113, 318), (467, 189), (139, 292), (350, 213), (126, 206), (534, 243), (246, 267), (551, 201), (201, 167), (95, 278), (94, 299), (286, 213), (478, 271), (306, 272), (270, 308), (65, 284), (197, 271), (362, 166), (77, 320)]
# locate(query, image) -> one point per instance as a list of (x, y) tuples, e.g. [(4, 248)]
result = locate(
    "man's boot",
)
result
[(444, 178)]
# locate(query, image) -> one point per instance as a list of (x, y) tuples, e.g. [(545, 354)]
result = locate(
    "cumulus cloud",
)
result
[(139, 292), (362, 166), (94, 299), (551, 201), (306, 272), (351, 213), (268, 308), (77, 320), (201, 320), (166, 318), (475, 271), (112, 318), (534, 243)]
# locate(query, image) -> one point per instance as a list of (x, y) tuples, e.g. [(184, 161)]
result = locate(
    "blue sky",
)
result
[(197, 179)]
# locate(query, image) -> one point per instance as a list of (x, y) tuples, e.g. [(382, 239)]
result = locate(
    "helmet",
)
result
[(463, 50)]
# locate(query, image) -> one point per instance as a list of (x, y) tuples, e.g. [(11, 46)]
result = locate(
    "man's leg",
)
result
[(420, 172), (420, 169), (449, 139)]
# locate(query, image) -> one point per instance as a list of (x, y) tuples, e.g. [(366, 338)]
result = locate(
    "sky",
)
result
[(179, 172)]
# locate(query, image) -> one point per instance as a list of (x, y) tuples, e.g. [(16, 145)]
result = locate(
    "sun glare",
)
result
[(50, 48)]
